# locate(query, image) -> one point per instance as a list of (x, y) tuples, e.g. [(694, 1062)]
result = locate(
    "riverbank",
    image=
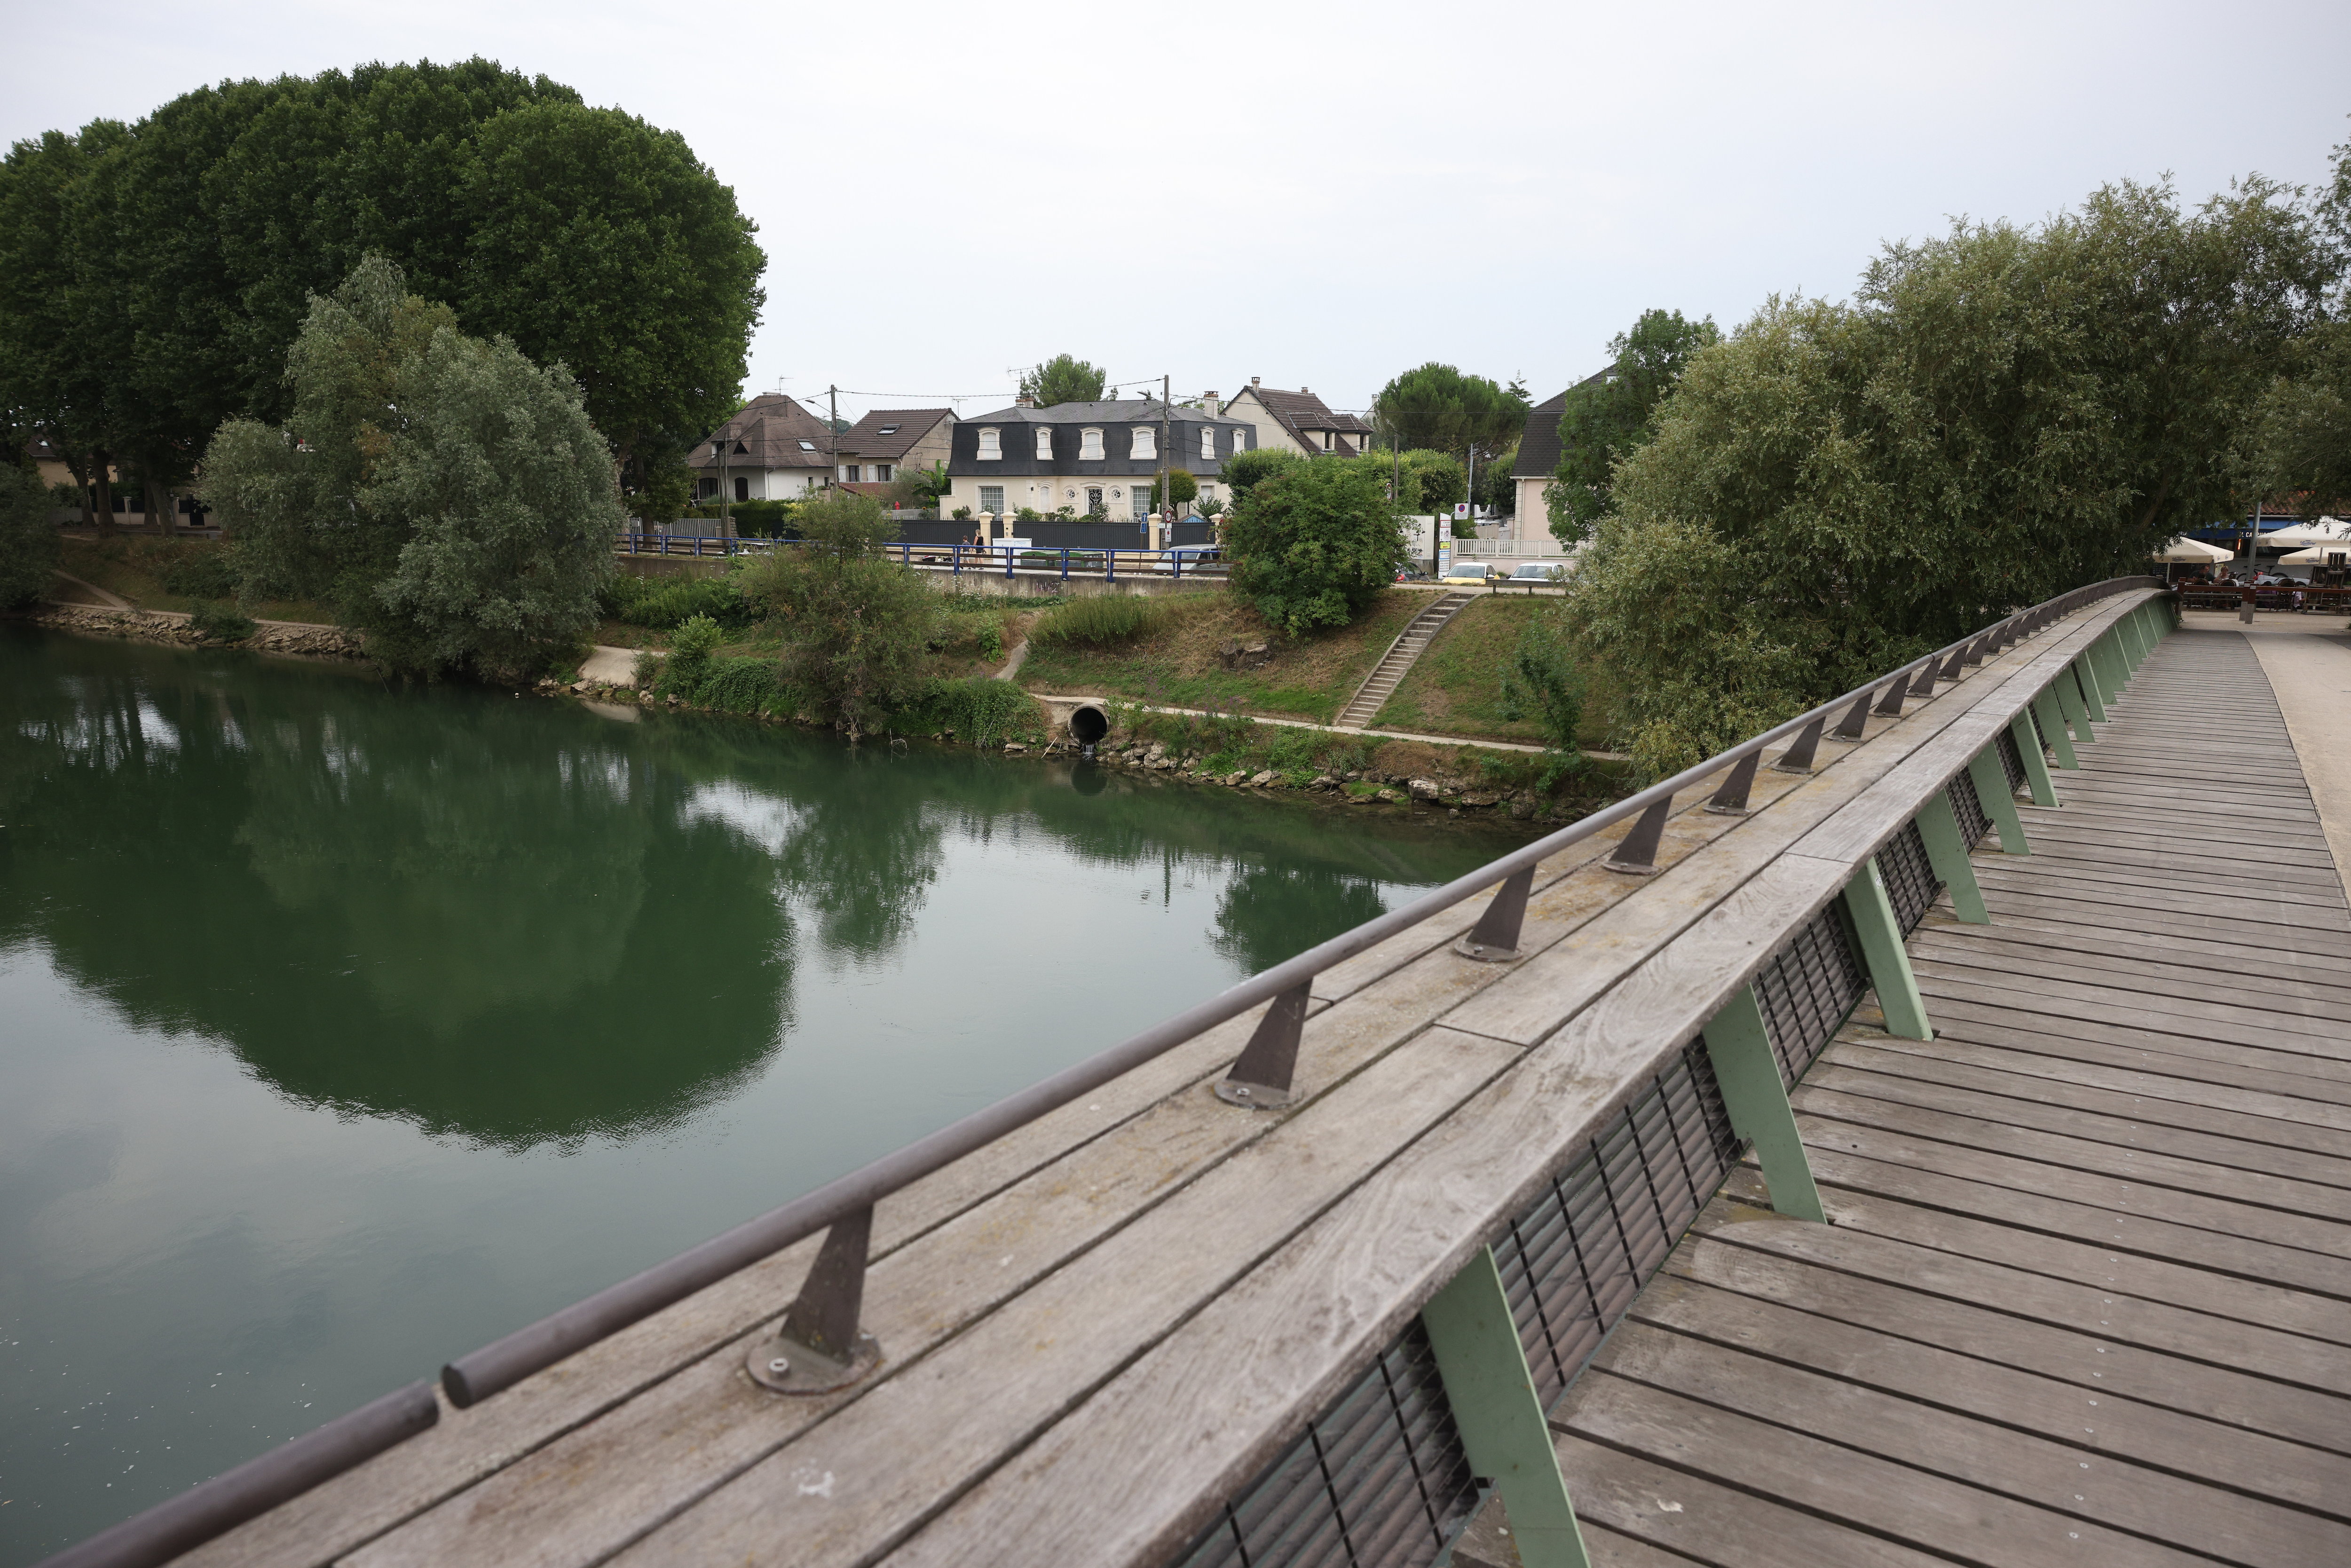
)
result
[(178, 629)]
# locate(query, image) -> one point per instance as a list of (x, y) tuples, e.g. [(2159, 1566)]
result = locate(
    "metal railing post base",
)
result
[(1500, 1415), (1260, 1076), (1946, 851), (1748, 1072), (819, 1347), (1999, 802), (2027, 751)]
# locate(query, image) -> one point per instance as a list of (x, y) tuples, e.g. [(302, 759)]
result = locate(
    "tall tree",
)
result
[(1438, 407), (595, 239), (1064, 379), (2000, 414), (1609, 415), (856, 624), (1314, 543), (449, 498)]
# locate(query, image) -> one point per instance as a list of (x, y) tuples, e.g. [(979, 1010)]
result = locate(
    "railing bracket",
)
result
[(1495, 939), (1637, 855), (819, 1347), (1260, 1075), (1798, 759)]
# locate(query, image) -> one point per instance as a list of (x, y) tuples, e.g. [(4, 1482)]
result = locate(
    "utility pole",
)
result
[(1166, 463), (725, 445), (833, 427)]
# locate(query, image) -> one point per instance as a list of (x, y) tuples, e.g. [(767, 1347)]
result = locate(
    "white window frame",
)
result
[(991, 444), (1208, 442), (1145, 445), (1044, 444), (881, 472), (1090, 445), (997, 510)]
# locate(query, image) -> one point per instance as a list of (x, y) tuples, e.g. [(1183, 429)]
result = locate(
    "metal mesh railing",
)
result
[(1911, 884), (1573, 1262), (1379, 1479), (1807, 991), (1967, 806), (2011, 762)]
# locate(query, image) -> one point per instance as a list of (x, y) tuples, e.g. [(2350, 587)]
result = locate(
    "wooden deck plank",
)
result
[(2011, 1317), (1870, 1492), (2102, 1145), (2295, 1041), (2001, 1386), (2061, 1465), (2072, 1110)]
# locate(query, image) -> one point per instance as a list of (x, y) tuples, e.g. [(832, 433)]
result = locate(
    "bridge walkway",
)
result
[(2086, 1291)]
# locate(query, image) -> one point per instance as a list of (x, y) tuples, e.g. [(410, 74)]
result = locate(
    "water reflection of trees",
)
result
[(391, 901), (520, 923)]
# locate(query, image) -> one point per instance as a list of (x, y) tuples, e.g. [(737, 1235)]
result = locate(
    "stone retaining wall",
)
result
[(173, 627)]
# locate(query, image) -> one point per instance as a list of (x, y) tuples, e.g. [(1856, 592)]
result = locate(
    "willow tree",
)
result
[(2002, 414), (447, 497)]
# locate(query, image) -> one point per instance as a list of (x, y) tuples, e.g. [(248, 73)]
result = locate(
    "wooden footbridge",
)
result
[(1920, 1136)]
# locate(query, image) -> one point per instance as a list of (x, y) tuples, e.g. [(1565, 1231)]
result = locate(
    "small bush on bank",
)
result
[(697, 638), (663, 603), (199, 572), (743, 686), (980, 710), (28, 539), (1099, 622), (221, 623)]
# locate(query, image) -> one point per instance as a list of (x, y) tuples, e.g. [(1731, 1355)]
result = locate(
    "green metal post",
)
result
[(2094, 697), (2052, 729), (2116, 674), (2069, 704), (2036, 767), (1946, 851), (1757, 1098), (1500, 1418), (1882, 950), (1991, 789), (2126, 641)]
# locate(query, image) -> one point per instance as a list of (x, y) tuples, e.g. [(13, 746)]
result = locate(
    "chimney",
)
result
[(1303, 391), (1255, 383), (1023, 400), (1214, 407)]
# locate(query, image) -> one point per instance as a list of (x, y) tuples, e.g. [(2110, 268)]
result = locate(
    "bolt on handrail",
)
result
[(825, 1310)]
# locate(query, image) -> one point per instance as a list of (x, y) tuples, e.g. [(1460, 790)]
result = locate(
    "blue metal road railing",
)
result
[(826, 1311), (1084, 561)]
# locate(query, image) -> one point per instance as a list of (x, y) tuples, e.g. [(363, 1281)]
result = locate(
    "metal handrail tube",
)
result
[(221, 1504), (507, 1361), (254, 1488)]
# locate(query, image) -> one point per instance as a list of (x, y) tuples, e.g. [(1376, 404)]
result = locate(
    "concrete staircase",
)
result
[(1389, 672)]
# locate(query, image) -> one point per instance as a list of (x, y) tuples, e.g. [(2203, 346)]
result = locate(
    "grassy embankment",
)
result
[(1456, 688), (1174, 660), (171, 574)]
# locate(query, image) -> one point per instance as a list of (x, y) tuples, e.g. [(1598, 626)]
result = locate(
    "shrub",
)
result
[(661, 603), (1312, 546), (742, 686), (1543, 683), (220, 623), (857, 626), (689, 654), (28, 539), (991, 640), (1243, 470), (981, 710), (199, 572), (1099, 622)]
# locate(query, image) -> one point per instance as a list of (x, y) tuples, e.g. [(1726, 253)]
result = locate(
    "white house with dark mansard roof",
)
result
[(1095, 458)]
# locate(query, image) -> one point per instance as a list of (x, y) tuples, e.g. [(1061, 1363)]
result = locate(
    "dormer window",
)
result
[(991, 448), (1208, 442), (1326, 441), (1044, 444), (1090, 444), (1146, 442)]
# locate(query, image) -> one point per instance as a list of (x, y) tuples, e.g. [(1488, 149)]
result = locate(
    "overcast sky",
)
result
[(1315, 194)]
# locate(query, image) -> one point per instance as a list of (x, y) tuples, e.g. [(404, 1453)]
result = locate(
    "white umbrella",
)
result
[(2326, 530), (2337, 552), (2195, 552)]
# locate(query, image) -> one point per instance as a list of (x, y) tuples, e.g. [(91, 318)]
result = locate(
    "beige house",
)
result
[(876, 447), (1294, 422), (774, 450)]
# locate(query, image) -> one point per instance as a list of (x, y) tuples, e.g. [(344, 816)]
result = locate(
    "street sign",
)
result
[(1460, 510)]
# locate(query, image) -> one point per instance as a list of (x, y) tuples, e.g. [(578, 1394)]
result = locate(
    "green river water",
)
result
[(344, 1027)]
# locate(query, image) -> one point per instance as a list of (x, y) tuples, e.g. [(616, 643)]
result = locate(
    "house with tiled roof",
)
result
[(876, 447), (774, 450), (1539, 455), (1296, 422)]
